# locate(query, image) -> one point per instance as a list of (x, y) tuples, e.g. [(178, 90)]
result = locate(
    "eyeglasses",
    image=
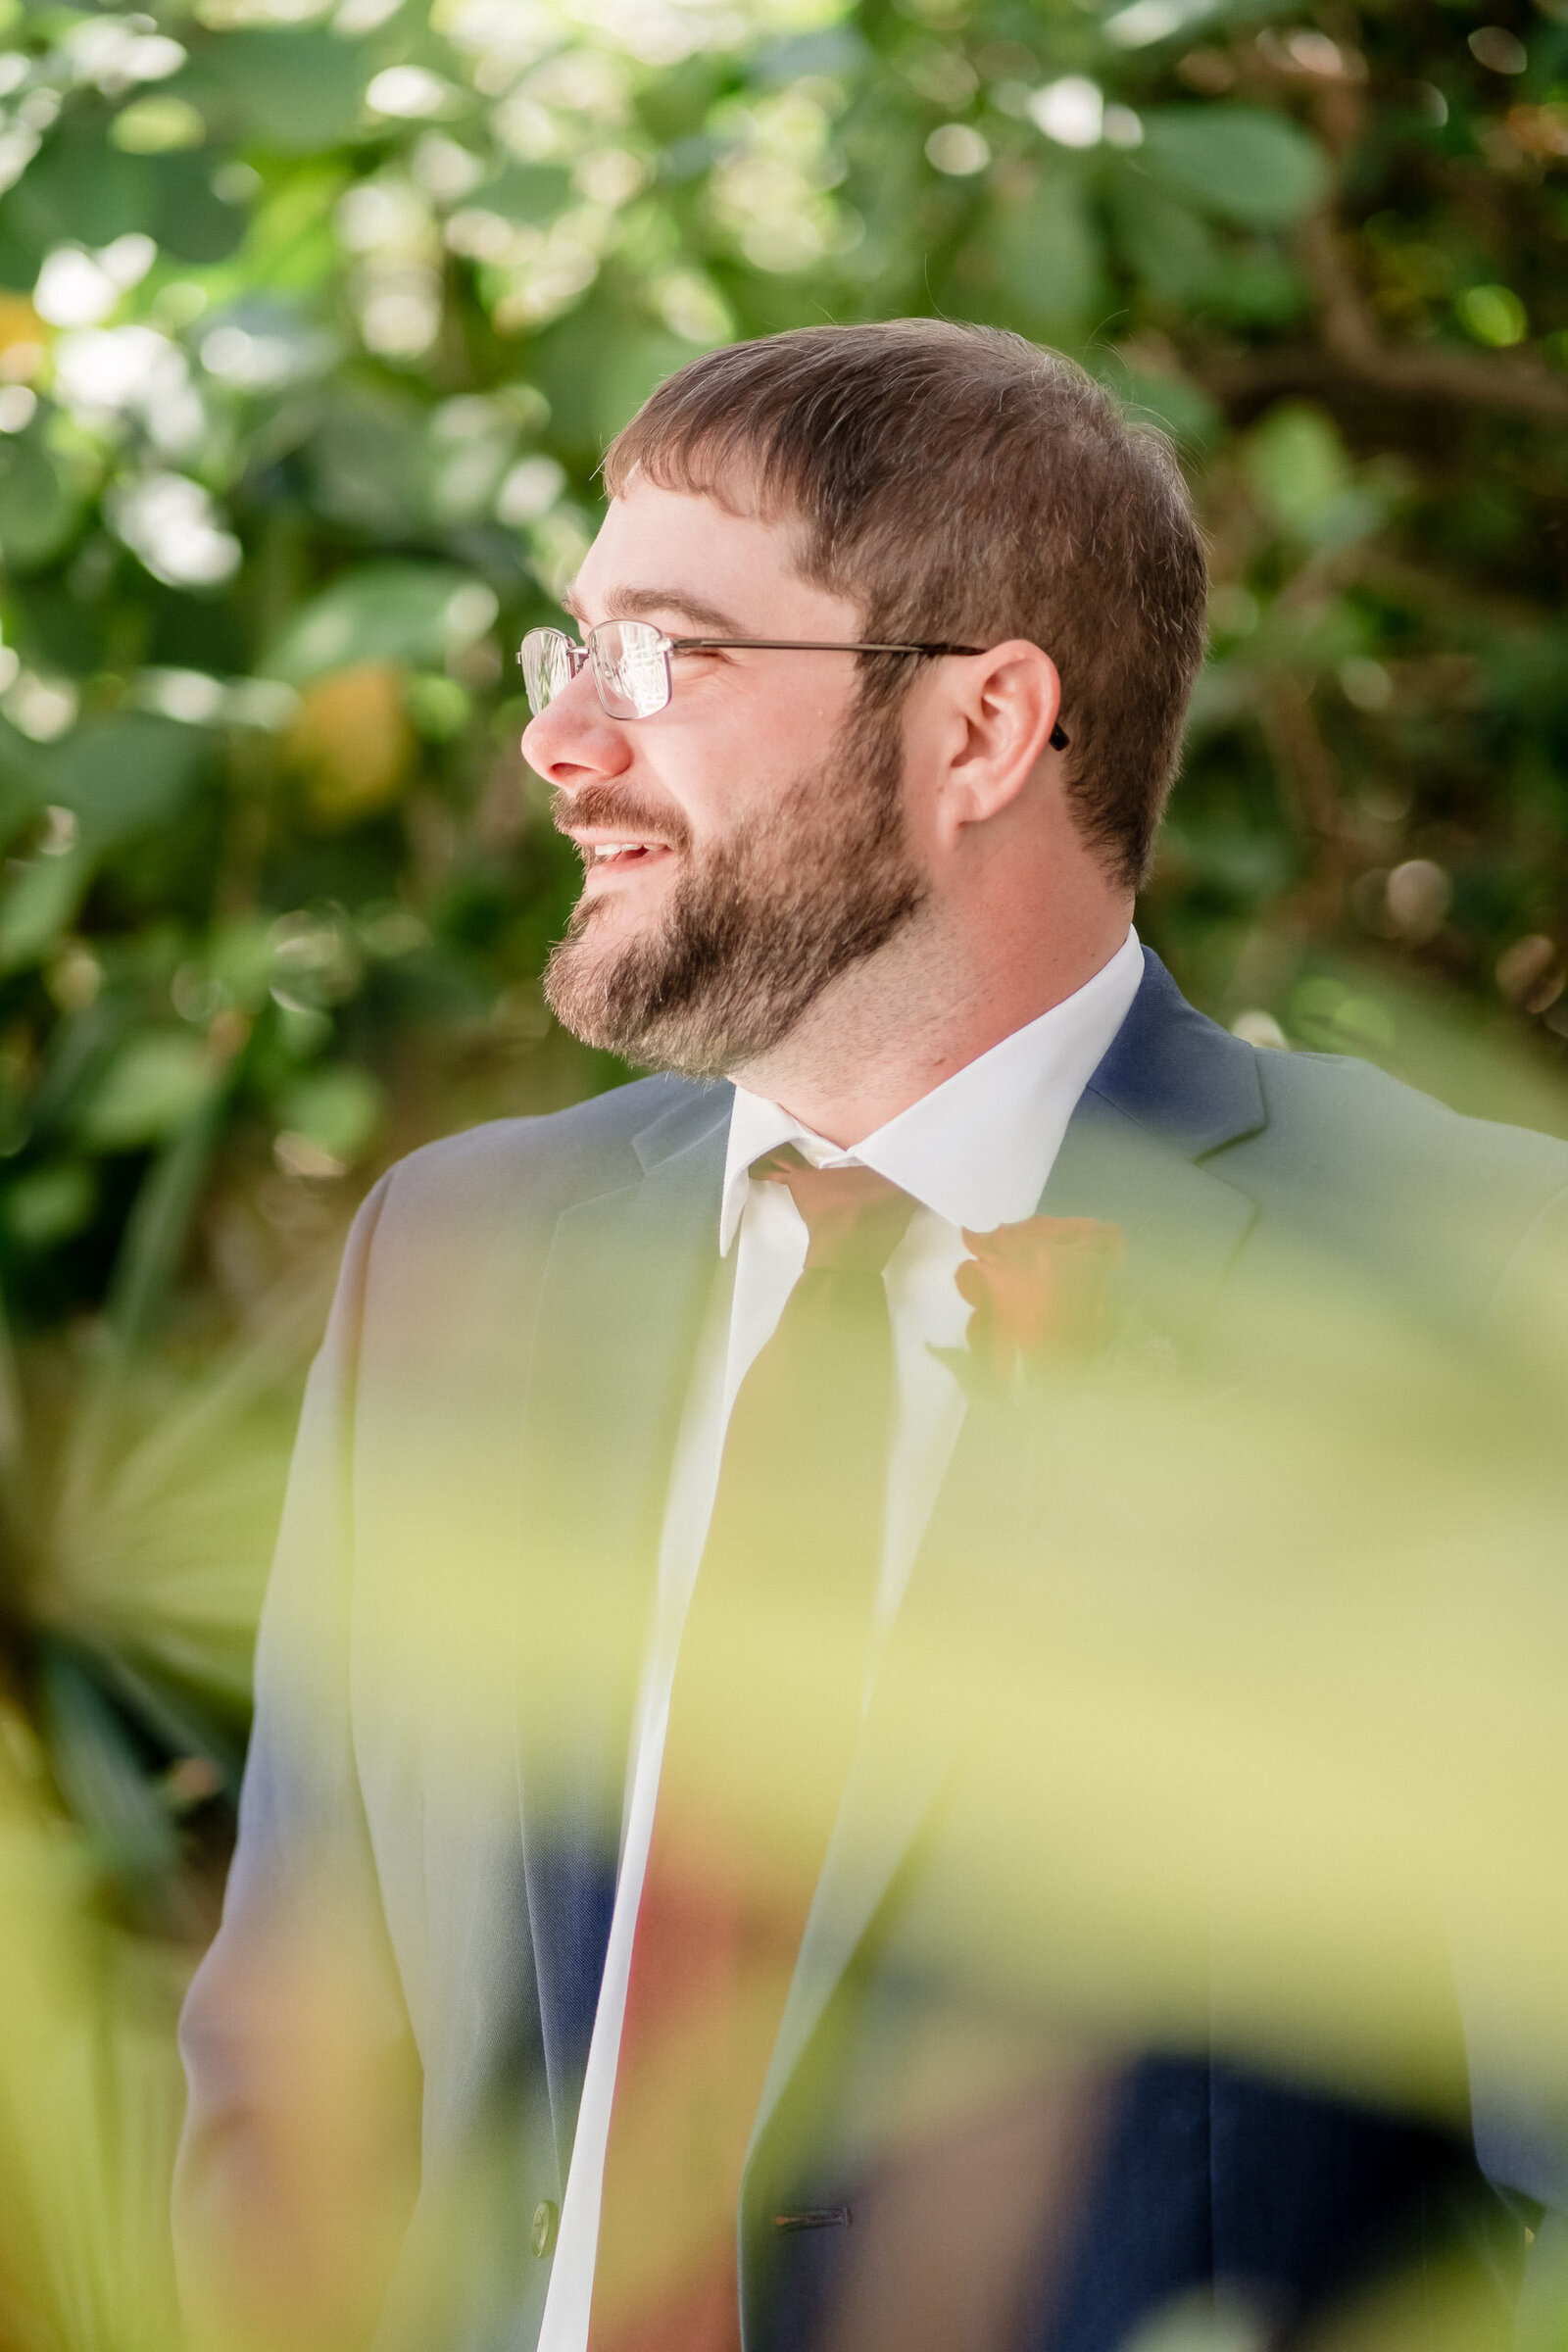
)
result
[(630, 661)]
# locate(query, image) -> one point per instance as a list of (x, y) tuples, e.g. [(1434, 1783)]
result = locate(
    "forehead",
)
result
[(655, 539)]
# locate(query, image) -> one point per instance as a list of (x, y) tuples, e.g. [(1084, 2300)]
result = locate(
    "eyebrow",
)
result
[(636, 604)]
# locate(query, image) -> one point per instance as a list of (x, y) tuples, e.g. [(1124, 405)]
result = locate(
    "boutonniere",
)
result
[(1038, 1293), (1041, 1297)]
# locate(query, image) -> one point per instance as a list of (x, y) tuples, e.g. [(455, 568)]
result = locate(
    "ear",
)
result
[(1002, 707)]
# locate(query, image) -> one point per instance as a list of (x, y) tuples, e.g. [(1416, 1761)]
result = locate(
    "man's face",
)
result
[(746, 844)]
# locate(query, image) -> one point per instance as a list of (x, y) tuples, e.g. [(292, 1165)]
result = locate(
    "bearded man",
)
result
[(644, 1432)]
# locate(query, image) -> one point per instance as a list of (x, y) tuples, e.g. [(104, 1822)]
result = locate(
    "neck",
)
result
[(892, 1028)]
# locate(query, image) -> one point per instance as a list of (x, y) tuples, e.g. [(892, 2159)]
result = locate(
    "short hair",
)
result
[(966, 486)]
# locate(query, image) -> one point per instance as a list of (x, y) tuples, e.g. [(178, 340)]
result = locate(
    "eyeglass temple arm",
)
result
[(1059, 738), (808, 645)]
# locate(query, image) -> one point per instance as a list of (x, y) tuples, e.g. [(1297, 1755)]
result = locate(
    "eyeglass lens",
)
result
[(630, 666), (546, 666)]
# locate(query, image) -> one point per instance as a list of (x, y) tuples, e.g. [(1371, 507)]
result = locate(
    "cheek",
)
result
[(732, 767), (796, 736)]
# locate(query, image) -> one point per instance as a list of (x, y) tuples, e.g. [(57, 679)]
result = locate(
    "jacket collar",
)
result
[(1178, 1075), (697, 1117)]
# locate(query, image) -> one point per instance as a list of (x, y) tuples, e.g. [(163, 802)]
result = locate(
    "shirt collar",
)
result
[(978, 1148)]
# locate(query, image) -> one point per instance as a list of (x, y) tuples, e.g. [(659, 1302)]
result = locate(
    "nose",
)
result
[(573, 741)]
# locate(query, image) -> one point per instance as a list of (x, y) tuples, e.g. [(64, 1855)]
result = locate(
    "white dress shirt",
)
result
[(974, 1152)]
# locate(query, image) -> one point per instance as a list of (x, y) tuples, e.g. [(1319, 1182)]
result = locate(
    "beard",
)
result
[(756, 926)]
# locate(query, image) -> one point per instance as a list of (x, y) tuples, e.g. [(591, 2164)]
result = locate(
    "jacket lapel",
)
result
[(1172, 1089), (625, 1287)]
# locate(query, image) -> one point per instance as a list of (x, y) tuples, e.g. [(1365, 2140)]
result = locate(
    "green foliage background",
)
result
[(314, 317)]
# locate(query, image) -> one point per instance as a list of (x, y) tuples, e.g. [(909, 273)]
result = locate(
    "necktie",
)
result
[(764, 1710)]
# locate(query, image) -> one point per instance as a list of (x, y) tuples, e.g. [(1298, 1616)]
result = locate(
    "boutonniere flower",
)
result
[(1039, 1293)]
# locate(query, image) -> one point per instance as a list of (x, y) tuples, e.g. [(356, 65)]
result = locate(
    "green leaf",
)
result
[(126, 775), (156, 1235), (1235, 161), (438, 708), (38, 516), (538, 193), (1046, 253), (364, 461), (1300, 474), (1162, 241), (1296, 463), (24, 780), (596, 364), (157, 1082), (193, 224), (414, 615), (292, 90), (157, 125), (96, 1765), (1180, 408), (1494, 315), (78, 187), (339, 1110), (631, 370), (1257, 288), (241, 958), (38, 904), (46, 1205)]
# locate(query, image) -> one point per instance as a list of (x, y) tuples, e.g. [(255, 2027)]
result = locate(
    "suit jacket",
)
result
[(446, 1676)]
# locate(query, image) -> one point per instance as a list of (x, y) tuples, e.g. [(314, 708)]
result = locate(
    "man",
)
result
[(887, 642)]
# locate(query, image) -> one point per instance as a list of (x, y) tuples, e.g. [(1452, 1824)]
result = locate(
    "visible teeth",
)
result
[(615, 849)]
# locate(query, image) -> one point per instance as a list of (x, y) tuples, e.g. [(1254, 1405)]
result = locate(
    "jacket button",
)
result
[(546, 2223)]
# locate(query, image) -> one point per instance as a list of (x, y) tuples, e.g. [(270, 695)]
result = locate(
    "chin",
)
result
[(596, 920)]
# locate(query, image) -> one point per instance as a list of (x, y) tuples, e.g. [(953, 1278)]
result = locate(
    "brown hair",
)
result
[(968, 486)]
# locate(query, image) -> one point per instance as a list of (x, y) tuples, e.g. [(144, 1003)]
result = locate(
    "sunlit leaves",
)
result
[(157, 125), (1494, 315)]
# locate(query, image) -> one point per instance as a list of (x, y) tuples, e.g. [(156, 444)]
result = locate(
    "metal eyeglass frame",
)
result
[(654, 646)]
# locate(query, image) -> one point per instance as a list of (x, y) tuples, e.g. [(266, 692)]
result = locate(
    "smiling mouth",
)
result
[(600, 853)]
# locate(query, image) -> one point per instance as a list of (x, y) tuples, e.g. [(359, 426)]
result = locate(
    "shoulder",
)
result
[(442, 1273), (538, 1167), (480, 1206), (1336, 1137), (1426, 1198), (1345, 1123)]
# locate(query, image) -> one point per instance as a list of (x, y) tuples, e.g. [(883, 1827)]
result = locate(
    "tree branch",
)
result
[(1352, 345)]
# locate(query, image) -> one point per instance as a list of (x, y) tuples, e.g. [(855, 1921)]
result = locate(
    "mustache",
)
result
[(606, 808)]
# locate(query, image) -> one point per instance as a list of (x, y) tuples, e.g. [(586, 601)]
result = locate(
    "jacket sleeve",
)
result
[(295, 2034)]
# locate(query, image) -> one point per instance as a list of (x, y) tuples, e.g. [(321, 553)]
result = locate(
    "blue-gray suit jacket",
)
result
[(453, 1631)]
